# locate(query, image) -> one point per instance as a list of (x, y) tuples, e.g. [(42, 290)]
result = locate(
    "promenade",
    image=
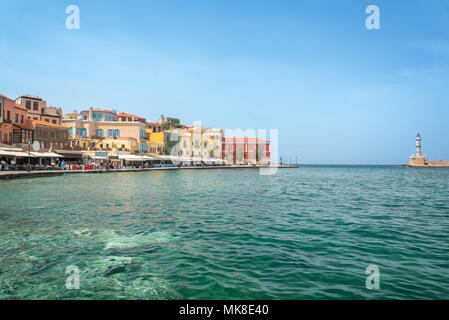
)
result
[(7, 175)]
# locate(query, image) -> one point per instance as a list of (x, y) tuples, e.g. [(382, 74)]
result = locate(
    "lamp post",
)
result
[(29, 155)]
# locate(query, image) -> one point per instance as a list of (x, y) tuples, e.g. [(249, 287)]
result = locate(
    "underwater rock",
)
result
[(123, 242), (111, 265)]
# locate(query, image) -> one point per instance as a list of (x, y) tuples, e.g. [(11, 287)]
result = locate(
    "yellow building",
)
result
[(200, 143), (156, 142)]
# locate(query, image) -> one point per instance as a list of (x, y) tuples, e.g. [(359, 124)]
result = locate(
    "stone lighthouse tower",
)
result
[(418, 145), (418, 159)]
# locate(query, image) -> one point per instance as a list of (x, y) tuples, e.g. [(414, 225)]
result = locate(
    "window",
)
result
[(1, 112), (81, 132), (53, 121), (70, 131), (28, 104), (100, 132), (113, 133), (100, 117), (21, 119), (16, 118), (35, 106), (8, 115)]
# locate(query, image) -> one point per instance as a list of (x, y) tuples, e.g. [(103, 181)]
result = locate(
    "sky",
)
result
[(337, 92)]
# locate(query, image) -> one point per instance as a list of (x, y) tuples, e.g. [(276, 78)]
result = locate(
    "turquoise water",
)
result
[(305, 233)]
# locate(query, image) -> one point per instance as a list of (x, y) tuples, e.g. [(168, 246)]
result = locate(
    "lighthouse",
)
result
[(418, 159), (418, 145)]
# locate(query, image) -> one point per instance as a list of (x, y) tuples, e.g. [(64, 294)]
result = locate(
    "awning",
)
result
[(19, 154), (46, 155), (71, 155), (5, 153), (97, 157), (131, 157)]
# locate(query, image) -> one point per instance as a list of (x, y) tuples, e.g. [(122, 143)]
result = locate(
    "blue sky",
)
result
[(336, 91)]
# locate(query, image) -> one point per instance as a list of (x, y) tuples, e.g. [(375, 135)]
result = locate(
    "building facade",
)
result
[(15, 128), (200, 143), (98, 129), (246, 151), (37, 109), (50, 136)]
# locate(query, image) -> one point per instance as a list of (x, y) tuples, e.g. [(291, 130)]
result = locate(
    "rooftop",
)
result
[(19, 107), (29, 96), (98, 110), (122, 114), (45, 123), (5, 97)]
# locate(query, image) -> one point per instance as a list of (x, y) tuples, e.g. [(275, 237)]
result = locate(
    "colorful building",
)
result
[(246, 151), (156, 142), (99, 129), (200, 143)]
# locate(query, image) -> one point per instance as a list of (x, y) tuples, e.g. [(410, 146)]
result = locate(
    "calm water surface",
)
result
[(305, 233)]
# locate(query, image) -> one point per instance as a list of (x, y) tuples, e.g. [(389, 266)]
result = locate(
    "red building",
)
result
[(14, 125), (244, 151)]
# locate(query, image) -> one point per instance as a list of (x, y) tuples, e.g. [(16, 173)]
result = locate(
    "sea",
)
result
[(313, 232)]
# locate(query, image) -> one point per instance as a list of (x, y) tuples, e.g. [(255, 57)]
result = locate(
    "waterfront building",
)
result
[(37, 109), (420, 160), (50, 136), (22, 127), (156, 142), (200, 142), (246, 151), (15, 128), (6, 116), (101, 129)]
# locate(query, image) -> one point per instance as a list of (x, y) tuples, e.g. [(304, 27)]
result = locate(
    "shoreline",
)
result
[(9, 175)]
